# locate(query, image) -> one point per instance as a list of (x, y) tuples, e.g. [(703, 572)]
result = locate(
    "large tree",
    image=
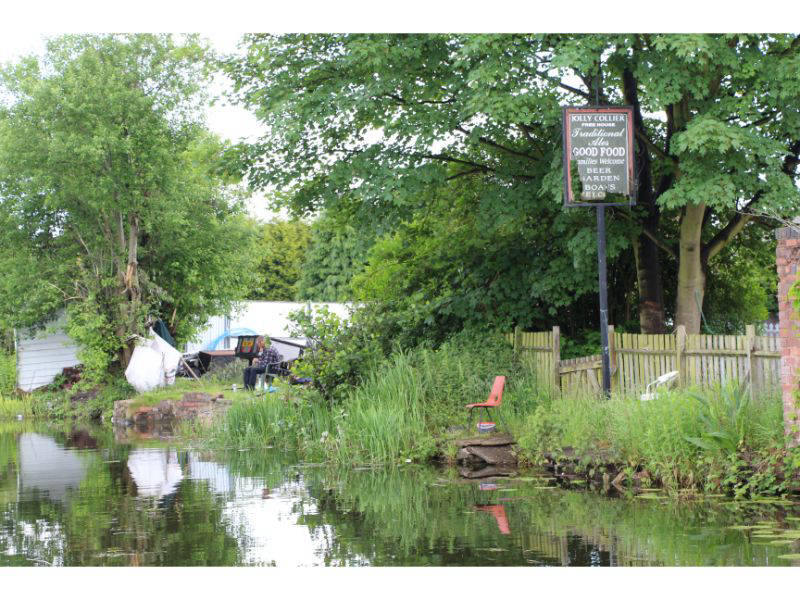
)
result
[(112, 201), (383, 117), (281, 250)]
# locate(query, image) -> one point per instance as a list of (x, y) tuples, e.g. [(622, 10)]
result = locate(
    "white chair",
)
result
[(264, 380), (663, 381)]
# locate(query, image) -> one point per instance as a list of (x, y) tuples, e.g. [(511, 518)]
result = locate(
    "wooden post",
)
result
[(517, 340), (557, 359), (613, 358), (680, 357), (750, 332), (185, 364)]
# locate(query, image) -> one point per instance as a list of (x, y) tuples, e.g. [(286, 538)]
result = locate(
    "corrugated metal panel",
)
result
[(214, 328), (42, 356)]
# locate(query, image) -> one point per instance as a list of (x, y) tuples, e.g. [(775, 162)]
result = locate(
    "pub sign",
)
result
[(598, 156)]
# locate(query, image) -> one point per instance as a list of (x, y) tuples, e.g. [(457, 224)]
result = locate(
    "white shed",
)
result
[(44, 354)]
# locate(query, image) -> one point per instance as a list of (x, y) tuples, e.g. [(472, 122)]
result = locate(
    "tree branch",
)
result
[(453, 159), (465, 173), (742, 218), (657, 240), (727, 233), (494, 144), (656, 150)]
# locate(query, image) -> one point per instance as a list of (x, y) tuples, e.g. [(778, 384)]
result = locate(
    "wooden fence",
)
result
[(638, 359)]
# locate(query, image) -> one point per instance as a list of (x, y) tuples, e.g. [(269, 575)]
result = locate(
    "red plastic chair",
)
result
[(494, 400), (498, 511)]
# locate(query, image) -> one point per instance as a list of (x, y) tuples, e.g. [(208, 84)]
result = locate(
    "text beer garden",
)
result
[(598, 171), (598, 156)]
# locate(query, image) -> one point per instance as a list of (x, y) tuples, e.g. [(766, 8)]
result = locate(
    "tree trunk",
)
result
[(131, 292), (645, 251), (691, 270), (651, 291)]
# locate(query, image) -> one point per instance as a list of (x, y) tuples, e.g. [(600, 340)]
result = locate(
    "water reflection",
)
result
[(81, 498), (47, 469)]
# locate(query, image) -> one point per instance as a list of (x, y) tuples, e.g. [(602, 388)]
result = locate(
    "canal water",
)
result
[(84, 497)]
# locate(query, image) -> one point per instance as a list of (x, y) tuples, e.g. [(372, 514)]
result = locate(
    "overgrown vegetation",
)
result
[(710, 438), (454, 209), (398, 410)]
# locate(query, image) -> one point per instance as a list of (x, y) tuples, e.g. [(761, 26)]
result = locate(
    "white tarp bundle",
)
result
[(156, 471), (153, 364)]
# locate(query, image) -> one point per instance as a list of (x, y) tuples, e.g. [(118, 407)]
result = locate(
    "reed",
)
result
[(670, 434), (12, 406), (396, 413)]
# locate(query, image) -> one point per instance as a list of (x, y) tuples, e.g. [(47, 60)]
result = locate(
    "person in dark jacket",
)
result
[(267, 357)]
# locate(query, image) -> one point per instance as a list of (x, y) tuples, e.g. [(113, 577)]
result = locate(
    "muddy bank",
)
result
[(192, 406)]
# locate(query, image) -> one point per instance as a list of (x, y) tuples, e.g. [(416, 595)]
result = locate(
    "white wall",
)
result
[(269, 318), (42, 356)]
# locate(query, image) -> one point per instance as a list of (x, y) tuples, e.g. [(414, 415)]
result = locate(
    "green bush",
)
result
[(8, 373), (339, 355)]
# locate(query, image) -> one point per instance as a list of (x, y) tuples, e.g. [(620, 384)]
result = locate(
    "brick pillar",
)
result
[(788, 259)]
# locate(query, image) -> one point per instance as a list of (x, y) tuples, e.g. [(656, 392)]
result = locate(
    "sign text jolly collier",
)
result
[(598, 155)]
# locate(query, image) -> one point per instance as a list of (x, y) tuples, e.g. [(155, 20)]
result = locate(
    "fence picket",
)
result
[(641, 358)]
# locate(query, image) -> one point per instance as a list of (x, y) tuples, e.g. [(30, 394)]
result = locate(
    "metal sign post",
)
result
[(603, 290), (599, 172)]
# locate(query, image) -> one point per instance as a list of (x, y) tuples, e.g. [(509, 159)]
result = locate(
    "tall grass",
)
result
[(384, 419), (396, 413), (8, 373), (13, 406), (664, 435), (408, 405)]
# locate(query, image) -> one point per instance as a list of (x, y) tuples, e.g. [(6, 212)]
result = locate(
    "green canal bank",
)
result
[(410, 408)]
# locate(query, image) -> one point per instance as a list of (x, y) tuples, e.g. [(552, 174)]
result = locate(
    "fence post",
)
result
[(517, 340), (556, 359), (680, 357), (612, 359), (750, 332)]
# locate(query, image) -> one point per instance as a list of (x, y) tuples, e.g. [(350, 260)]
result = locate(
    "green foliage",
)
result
[(112, 194), (794, 294), (282, 249), (741, 288), (56, 404), (414, 125), (724, 416), (12, 406), (397, 411), (676, 437), (585, 343), (8, 373), (340, 353), (335, 254), (461, 262)]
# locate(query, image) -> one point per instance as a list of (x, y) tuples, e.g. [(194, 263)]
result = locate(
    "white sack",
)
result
[(145, 371), (155, 471), (170, 356)]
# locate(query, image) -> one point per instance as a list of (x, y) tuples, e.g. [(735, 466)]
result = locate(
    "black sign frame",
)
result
[(567, 150)]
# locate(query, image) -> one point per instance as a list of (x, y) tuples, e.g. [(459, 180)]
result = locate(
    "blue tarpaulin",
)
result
[(212, 345)]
